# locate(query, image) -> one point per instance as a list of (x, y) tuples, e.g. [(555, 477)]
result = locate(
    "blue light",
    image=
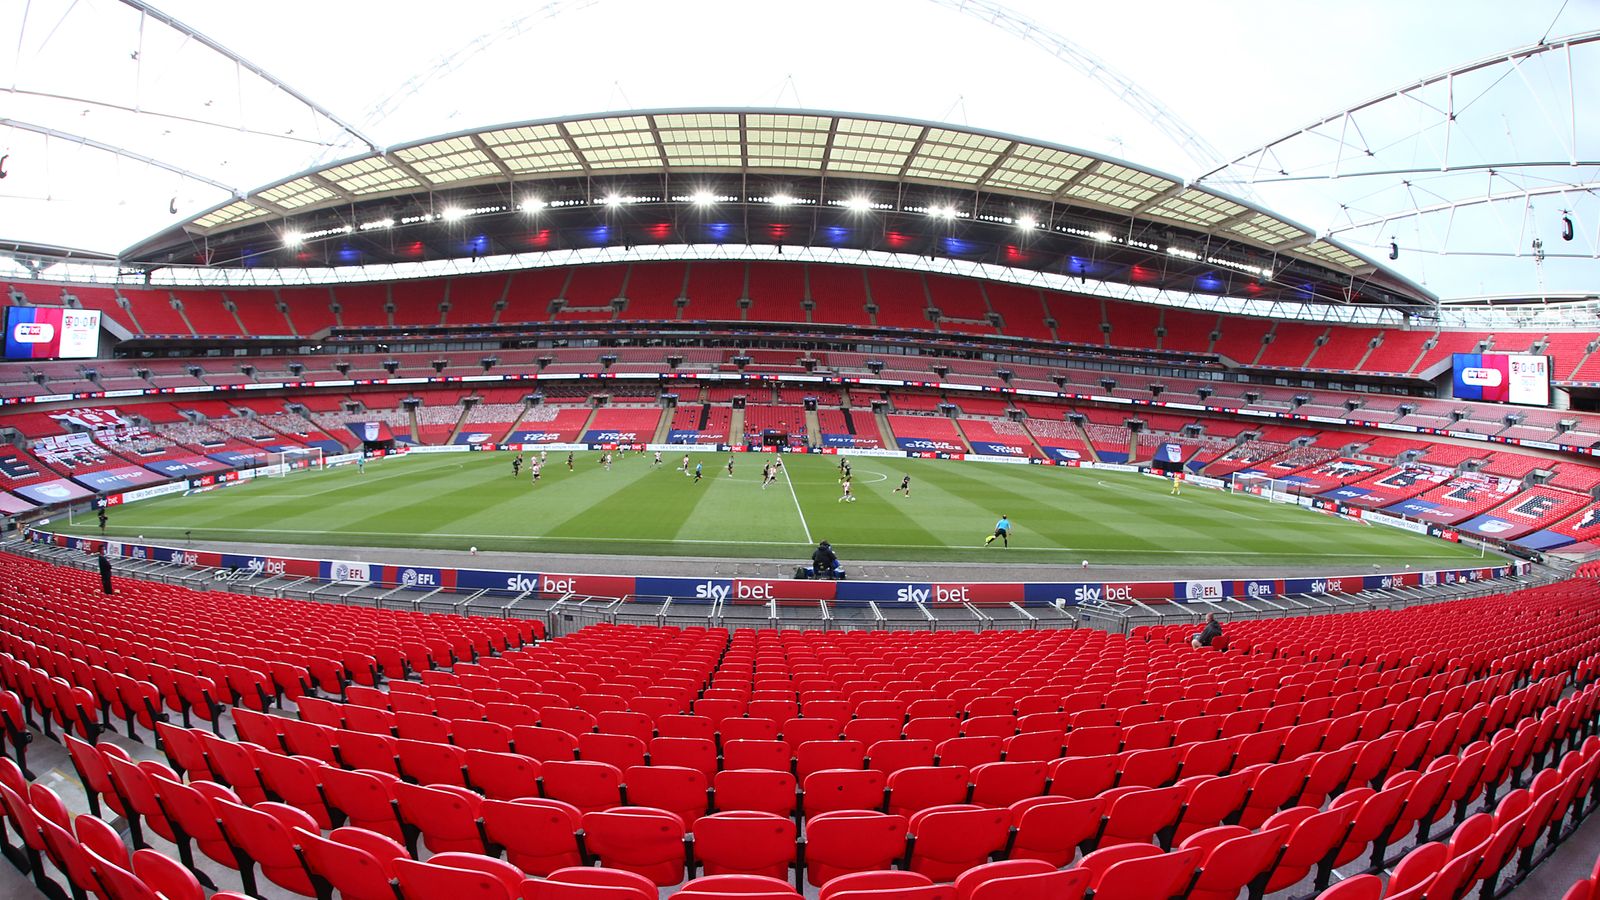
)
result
[(600, 234), (349, 254), (836, 234), (1077, 265), (478, 245), (1305, 291), (1209, 282), (957, 247), (718, 230)]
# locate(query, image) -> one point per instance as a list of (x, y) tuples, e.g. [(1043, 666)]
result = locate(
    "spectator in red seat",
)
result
[(1206, 635)]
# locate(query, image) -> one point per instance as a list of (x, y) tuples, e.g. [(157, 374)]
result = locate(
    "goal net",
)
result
[(1274, 490), (286, 462)]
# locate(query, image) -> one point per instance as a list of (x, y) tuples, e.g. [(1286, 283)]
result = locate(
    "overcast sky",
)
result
[(1237, 73)]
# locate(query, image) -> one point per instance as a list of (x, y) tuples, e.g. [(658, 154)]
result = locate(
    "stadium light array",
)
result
[(375, 225), (1027, 223), (532, 205), (293, 238), (1104, 237), (781, 200), (858, 203), (612, 200), (702, 198), (453, 214)]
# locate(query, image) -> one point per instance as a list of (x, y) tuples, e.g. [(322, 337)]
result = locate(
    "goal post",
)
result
[(1274, 490), (284, 462)]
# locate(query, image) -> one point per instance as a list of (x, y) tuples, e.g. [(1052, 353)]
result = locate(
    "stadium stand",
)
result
[(777, 293), (1021, 310), (473, 299), (363, 305), (1242, 339), (935, 433), (998, 437), (1291, 346), (1307, 756), (714, 290), (839, 294), (1132, 324), (653, 291), (529, 292), (761, 419), (1530, 510), (417, 302), (207, 313), (308, 309), (1077, 318), (623, 425), (154, 312)]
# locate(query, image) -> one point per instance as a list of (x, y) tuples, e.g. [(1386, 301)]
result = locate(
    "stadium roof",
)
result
[(739, 142), (124, 119)]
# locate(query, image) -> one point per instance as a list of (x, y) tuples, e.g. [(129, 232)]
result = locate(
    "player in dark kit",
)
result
[(516, 466), (730, 467), (905, 486), (569, 462), (696, 473)]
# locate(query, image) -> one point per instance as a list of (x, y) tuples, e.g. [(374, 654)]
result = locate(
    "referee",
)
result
[(1002, 530)]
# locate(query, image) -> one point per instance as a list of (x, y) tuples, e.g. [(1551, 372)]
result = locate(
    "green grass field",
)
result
[(1059, 515)]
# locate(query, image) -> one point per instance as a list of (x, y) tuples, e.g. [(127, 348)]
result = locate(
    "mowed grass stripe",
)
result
[(453, 501)]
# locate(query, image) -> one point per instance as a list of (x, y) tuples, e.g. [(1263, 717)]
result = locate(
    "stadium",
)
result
[(924, 450)]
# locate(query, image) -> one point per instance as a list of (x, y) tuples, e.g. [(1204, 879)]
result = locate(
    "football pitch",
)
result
[(1059, 515)]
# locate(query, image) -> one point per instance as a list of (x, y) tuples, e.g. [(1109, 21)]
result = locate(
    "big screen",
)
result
[(51, 332), (1503, 378)]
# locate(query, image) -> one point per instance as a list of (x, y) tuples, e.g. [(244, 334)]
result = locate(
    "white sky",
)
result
[(1238, 73)]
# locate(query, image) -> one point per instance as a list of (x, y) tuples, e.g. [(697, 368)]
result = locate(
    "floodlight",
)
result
[(293, 239), (613, 200), (453, 214), (781, 200), (533, 204), (1027, 223), (702, 198), (858, 203), (1103, 237)]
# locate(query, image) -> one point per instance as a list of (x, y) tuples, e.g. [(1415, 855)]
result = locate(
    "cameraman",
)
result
[(824, 562)]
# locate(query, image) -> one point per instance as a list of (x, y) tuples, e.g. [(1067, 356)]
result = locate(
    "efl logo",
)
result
[(33, 333), (1480, 377)]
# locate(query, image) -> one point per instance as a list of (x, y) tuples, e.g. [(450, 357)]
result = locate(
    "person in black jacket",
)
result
[(824, 562), (1211, 632), (105, 573)]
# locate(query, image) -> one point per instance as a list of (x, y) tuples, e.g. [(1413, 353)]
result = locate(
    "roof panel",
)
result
[(297, 194), (1327, 253), (673, 121), (371, 175), (1264, 229), (233, 213)]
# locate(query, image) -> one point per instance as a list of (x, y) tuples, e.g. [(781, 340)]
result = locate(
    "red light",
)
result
[(660, 231), (896, 239), (414, 248), (778, 231), (539, 238), (1140, 273), (1014, 253), (1253, 287)]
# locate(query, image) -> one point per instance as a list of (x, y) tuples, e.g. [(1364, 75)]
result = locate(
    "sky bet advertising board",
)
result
[(1503, 378), (51, 332)]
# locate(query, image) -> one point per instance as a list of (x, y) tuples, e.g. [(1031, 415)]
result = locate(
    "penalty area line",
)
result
[(796, 497)]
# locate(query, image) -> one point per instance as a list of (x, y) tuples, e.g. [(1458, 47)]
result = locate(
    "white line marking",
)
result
[(803, 526), (623, 540)]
